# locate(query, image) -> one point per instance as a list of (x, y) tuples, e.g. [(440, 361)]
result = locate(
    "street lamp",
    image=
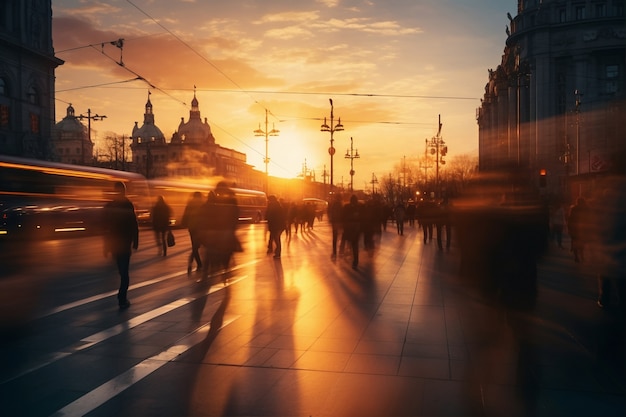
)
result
[(352, 155), (439, 149), (332, 129), (89, 118), (579, 96), (374, 181), (266, 160)]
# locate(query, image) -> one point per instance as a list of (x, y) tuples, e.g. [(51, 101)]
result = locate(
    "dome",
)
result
[(70, 123)]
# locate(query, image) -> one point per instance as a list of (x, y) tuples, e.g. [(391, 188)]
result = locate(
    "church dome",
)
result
[(148, 130), (70, 123), (195, 131)]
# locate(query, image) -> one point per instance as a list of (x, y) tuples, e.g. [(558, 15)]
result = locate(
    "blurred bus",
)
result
[(44, 200), (321, 206), (252, 203)]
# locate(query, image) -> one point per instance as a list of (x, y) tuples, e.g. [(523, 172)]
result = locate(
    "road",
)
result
[(299, 336)]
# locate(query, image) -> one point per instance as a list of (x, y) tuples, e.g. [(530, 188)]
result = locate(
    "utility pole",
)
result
[(89, 118)]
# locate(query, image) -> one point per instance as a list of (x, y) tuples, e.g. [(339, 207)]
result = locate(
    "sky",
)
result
[(391, 68)]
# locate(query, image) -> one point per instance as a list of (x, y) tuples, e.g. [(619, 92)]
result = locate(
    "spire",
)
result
[(149, 104)]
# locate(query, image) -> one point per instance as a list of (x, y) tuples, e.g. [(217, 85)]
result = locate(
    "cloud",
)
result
[(159, 58)]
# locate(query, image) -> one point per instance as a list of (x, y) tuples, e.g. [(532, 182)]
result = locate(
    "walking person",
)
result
[(578, 226), (121, 234), (192, 221), (161, 213), (352, 219), (557, 223), (399, 213), (334, 216), (442, 221), (426, 217), (276, 222)]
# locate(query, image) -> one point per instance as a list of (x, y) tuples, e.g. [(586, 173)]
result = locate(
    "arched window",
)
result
[(33, 95), (4, 89)]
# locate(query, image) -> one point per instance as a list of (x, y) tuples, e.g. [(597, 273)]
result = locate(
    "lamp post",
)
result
[(579, 96), (266, 160), (89, 118), (374, 181), (332, 129), (439, 149), (352, 154)]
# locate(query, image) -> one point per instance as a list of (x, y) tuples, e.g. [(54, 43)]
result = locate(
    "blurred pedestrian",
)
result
[(557, 223), (192, 221), (276, 222), (352, 219), (578, 226), (399, 213), (443, 220), (426, 216), (161, 213), (334, 216), (227, 222), (121, 234), (608, 242)]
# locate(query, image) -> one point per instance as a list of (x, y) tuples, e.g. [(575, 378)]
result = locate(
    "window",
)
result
[(3, 88), (562, 15), (601, 10), (4, 116), (34, 123), (580, 12), (612, 76), (33, 96)]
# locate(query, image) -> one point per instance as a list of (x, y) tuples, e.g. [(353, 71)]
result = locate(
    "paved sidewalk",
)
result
[(402, 336)]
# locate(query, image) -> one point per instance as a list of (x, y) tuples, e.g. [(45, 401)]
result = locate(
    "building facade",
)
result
[(555, 105), (70, 140), (191, 153), (27, 65)]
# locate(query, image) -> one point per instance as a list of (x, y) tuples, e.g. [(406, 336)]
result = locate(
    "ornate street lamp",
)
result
[(352, 155), (439, 149), (332, 129), (266, 160)]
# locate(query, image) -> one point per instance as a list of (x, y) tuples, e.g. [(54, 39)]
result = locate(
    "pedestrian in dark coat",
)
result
[(121, 234), (579, 225), (443, 220), (334, 216), (276, 222), (192, 221), (161, 213), (352, 227)]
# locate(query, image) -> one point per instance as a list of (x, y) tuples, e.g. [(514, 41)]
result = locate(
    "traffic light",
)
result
[(542, 178)]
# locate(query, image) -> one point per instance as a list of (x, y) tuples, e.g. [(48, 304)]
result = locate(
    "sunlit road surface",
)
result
[(299, 336)]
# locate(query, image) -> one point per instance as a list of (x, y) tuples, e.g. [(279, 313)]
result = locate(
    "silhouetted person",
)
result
[(442, 221), (607, 243), (578, 226), (399, 213), (192, 221), (276, 222), (557, 223), (121, 234), (220, 216), (160, 216), (426, 215), (334, 216), (352, 219)]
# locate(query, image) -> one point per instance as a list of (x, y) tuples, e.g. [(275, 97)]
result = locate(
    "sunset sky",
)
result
[(390, 66)]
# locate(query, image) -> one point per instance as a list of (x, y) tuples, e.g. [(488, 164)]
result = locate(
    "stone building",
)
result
[(70, 140), (556, 103), (149, 148), (191, 153), (27, 65)]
